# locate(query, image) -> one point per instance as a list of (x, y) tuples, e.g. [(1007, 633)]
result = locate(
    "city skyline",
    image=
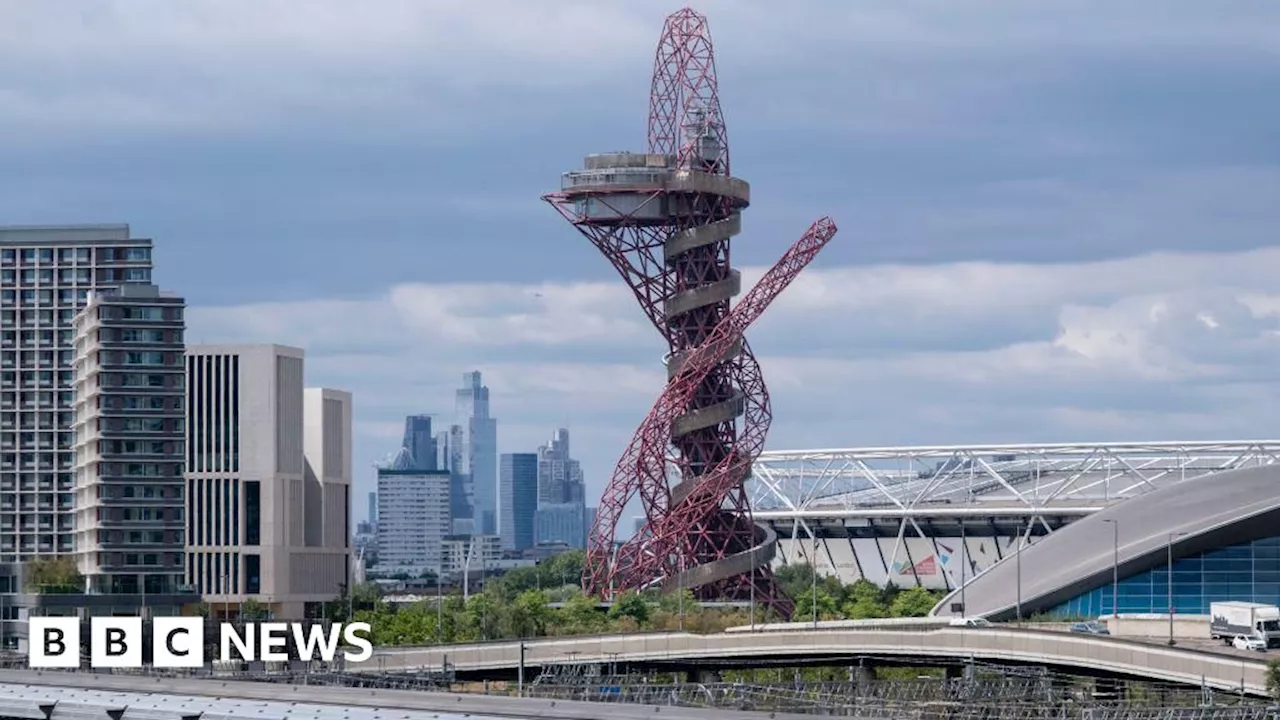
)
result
[(1034, 253)]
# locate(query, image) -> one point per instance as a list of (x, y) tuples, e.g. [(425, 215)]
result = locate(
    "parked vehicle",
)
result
[(1093, 627), (1229, 619), (1249, 642)]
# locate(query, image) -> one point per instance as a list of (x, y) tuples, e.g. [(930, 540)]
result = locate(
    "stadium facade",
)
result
[(1036, 528)]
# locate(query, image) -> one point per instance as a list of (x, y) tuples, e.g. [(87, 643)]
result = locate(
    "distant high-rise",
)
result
[(373, 508), (413, 519), (478, 452), (517, 499), (46, 275), (561, 523), (559, 475), (419, 444)]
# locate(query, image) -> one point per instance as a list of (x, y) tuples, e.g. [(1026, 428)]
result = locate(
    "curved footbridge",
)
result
[(1071, 652)]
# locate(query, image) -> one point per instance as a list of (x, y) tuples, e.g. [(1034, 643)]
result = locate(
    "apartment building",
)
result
[(413, 520), (46, 276), (128, 450)]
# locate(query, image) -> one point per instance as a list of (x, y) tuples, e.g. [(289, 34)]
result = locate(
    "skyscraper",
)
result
[(478, 451), (561, 515), (46, 274), (559, 475), (517, 499), (373, 508), (419, 444)]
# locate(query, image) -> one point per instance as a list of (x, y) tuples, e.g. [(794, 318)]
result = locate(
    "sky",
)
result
[(1056, 218)]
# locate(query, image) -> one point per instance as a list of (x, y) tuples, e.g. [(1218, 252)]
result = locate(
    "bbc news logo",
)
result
[(179, 642)]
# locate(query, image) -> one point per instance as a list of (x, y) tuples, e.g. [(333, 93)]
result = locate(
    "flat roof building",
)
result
[(46, 276), (129, 433), (268, 481)]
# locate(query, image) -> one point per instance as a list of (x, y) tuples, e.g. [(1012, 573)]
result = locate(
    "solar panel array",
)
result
[(38, 702)]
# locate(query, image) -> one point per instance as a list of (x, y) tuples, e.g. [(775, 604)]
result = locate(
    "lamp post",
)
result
[(1115, 567), (1170, 584), (520, 676), (813, 576), (964, 563), (1017, 561)]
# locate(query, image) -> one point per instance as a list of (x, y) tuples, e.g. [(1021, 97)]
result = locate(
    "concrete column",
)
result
[(864, 673)]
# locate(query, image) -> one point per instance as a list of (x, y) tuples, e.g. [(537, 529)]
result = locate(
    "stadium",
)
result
[(1035, 529)]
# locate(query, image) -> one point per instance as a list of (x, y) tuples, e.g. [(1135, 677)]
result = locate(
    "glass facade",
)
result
[(1247, 572)]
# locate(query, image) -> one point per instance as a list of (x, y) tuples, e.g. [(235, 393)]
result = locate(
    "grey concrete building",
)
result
[(261, 468), (128, 454), (46, 275)]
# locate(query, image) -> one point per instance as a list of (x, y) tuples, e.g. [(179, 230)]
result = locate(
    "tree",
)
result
[(862, 601), (1273, 678), (563, 569), (480, 619), (826, 605), (913, 602), (630, 605), (527, 616), (251, 609), (53, 575), (580, 615)]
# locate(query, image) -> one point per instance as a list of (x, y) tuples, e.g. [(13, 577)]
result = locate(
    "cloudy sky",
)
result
[(1057, 218)]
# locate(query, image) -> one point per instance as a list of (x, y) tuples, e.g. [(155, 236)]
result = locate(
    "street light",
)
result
[(1017, 561), (964, 563), (1115, 567), (520, 676), (813, 576), (1170, 584)]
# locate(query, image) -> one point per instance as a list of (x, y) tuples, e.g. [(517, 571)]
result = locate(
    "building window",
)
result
[(253, 513), (252, 574)]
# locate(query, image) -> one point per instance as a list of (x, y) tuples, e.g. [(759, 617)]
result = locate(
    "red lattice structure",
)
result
[(664, 219)]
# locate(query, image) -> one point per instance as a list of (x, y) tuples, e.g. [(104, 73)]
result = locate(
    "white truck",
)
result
[(1229, 619)]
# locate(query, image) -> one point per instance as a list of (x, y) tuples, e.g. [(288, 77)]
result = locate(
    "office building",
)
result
[(266, 460), (561, 523), (413, 520), (373, 510), (419, 444), (46, 275), (478, 452), (128, 427), (449, 453), (517, 499), (562, 512), (559, 475)]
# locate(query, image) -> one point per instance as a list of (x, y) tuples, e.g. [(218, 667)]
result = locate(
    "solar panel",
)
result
[(38, 702)]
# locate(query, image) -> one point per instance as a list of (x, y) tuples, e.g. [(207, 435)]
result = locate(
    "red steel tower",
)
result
[(664, 219)]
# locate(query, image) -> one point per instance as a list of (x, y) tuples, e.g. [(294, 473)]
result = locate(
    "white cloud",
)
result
[(1153, 347)]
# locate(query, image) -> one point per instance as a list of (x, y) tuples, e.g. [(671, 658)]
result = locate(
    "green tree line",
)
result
[(519, 605)]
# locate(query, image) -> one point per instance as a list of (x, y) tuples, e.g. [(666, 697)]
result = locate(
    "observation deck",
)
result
[(643, 188)]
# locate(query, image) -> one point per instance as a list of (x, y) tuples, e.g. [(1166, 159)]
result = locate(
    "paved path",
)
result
[(684, 650)]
